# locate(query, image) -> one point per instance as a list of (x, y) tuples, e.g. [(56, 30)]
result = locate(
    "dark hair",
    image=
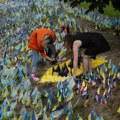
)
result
[(69, 38), (51, 40), (65, 27)]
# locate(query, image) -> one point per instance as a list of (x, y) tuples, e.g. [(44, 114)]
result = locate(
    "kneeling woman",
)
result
[(93, 43)]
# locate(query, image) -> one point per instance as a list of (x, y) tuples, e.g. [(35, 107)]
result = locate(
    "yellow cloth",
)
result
[(48, 77)]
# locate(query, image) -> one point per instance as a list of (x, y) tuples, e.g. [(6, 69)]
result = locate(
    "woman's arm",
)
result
[(76, 46), (50, 59)]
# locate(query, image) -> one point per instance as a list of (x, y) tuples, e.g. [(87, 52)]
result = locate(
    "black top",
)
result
[(94, 43)]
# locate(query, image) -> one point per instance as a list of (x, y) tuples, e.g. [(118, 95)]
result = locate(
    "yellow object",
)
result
[(86, 102), (2, 1), (9, 63), (89, 117), (48, 77), (98, 91), (118, 110)]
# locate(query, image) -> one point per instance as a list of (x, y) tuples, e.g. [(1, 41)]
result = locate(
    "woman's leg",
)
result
[(90, 65), (35, 59), (86, 64)]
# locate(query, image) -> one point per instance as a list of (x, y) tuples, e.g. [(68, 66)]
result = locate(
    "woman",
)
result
[(40, 39), (93, 43)]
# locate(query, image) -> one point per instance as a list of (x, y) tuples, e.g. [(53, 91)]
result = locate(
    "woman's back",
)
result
[(90, 38)]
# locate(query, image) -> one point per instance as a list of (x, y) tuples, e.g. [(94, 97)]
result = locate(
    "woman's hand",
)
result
[(53, 60), (50, 59), (61, 59)]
